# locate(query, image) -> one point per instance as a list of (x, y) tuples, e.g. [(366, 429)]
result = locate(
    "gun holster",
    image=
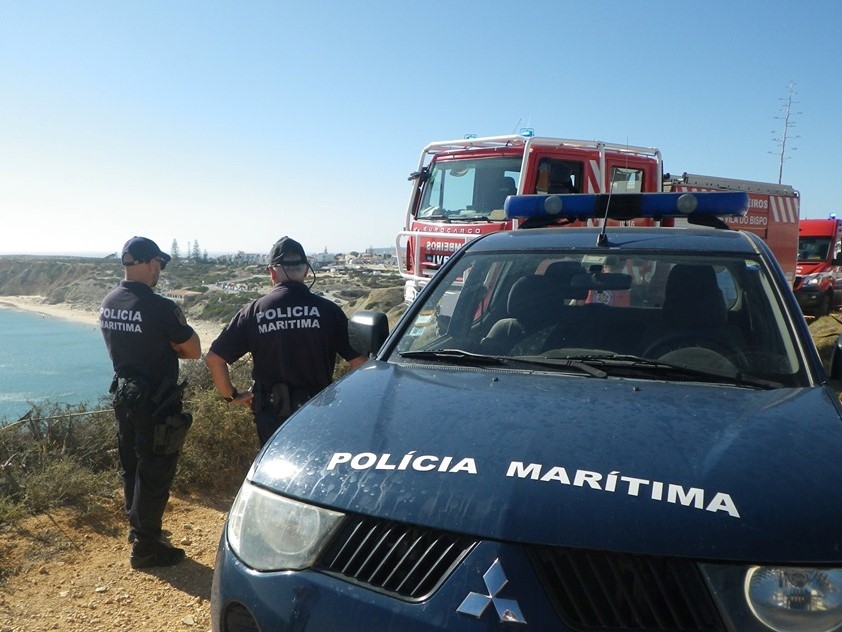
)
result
[(171, 433)]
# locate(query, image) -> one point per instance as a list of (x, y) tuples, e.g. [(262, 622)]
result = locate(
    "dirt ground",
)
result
[(65, 572)]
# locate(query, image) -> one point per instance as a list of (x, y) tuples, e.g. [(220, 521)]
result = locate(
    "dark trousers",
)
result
[(267, 422), (147, 477)]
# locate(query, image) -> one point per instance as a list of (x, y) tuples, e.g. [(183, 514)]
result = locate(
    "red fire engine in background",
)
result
[(773, 212), (818, 282), (459, 188)]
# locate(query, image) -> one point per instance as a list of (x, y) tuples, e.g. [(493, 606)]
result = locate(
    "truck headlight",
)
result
[(269, 532), (813, 279), (795, 599), (780, 598)]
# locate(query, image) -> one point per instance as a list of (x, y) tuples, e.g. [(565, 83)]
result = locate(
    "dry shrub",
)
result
[(222, 442), (65, 482)]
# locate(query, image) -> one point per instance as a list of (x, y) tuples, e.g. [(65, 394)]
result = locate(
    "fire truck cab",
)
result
[(818, 285), (459, 188)]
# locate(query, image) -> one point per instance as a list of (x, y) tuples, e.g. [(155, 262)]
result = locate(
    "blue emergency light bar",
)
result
[(625, 206)]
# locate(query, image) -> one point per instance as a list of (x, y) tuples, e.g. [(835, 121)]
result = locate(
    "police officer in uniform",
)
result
[(293, 336), (146, 334)]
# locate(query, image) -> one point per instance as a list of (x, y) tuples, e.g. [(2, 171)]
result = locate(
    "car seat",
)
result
[(561, 180), (694, 315), (534, 303)]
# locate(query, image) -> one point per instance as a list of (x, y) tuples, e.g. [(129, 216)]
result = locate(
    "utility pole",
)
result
[(788, 123)]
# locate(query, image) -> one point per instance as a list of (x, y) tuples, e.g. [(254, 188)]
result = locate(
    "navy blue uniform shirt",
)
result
[(293, 336), (138, 327)]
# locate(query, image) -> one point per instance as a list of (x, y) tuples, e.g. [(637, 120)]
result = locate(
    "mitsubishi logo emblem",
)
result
[(495, 580)]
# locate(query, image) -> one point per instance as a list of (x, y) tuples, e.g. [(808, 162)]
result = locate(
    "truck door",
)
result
[(835, 268)]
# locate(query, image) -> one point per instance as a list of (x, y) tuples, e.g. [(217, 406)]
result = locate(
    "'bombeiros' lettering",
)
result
[(290, 317), (670, 492), (120, 319), (443, 246)]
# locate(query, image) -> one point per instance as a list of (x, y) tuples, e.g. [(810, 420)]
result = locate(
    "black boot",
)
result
[(150, 554)]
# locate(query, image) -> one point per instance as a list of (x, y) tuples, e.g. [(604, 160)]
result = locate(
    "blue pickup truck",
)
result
[(614, 427)]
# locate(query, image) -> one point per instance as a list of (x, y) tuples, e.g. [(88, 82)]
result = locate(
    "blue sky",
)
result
[(234, 123)]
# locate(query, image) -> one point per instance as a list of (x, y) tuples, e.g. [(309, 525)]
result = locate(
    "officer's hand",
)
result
[(243, 399)]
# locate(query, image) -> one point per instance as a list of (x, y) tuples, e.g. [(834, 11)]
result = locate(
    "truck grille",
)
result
[(402, 560), (593, 590), (590, 590)]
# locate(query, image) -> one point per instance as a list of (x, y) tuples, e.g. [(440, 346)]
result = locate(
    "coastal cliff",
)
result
[(208, 291)]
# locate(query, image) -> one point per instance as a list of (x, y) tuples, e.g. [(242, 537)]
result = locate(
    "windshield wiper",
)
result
[(475, 218), (458, 356), (558, 363), (658, 366)]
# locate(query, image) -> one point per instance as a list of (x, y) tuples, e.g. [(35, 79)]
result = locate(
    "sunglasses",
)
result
[(134, 263), (287, 264)]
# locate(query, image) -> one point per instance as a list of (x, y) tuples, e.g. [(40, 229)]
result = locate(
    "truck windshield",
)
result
[(813, 248), (641, 313), (469, 189)]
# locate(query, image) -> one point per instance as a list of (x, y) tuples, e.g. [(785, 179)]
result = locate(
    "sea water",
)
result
[(47, 359)]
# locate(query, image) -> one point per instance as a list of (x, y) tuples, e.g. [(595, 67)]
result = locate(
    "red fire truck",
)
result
[(459, 188), (818, 283)]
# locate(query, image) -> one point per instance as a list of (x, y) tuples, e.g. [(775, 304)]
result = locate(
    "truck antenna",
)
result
[(519, 127), (602, 237)]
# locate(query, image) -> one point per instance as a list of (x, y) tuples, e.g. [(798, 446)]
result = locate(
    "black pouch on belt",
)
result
[(133, 393), (280, 400), (171, 434)]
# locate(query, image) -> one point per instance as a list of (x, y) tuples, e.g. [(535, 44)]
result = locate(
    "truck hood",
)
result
[(804, 268), (683, 469)]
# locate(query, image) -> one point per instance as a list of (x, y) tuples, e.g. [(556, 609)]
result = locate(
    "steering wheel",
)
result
[(674, 343)]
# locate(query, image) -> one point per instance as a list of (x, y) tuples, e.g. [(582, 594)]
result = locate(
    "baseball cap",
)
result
[(142, 250), (287, 251)]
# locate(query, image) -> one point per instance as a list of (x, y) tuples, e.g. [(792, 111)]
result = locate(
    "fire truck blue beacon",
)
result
[(610, 418)]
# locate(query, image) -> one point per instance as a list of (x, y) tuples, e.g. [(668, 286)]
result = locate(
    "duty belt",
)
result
[(136, 392)]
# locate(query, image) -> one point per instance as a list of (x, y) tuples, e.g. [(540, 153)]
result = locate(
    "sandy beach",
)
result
[(207, 331)]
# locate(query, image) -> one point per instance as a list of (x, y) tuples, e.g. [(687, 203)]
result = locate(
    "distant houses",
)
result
[(180, 295), (378, 258)]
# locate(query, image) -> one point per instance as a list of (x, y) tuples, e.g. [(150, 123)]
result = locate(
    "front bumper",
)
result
[(246, 601), (809, 298), (496, 586)]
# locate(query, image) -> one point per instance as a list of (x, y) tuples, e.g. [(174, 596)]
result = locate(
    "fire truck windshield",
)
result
[(468, 189), (813, 248)]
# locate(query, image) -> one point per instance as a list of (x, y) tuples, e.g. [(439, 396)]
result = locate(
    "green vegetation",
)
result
[(66, 456), (220, 307)]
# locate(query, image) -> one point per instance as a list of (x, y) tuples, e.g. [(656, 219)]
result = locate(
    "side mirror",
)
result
[(367, 331), (836, 360), (837, 260)]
